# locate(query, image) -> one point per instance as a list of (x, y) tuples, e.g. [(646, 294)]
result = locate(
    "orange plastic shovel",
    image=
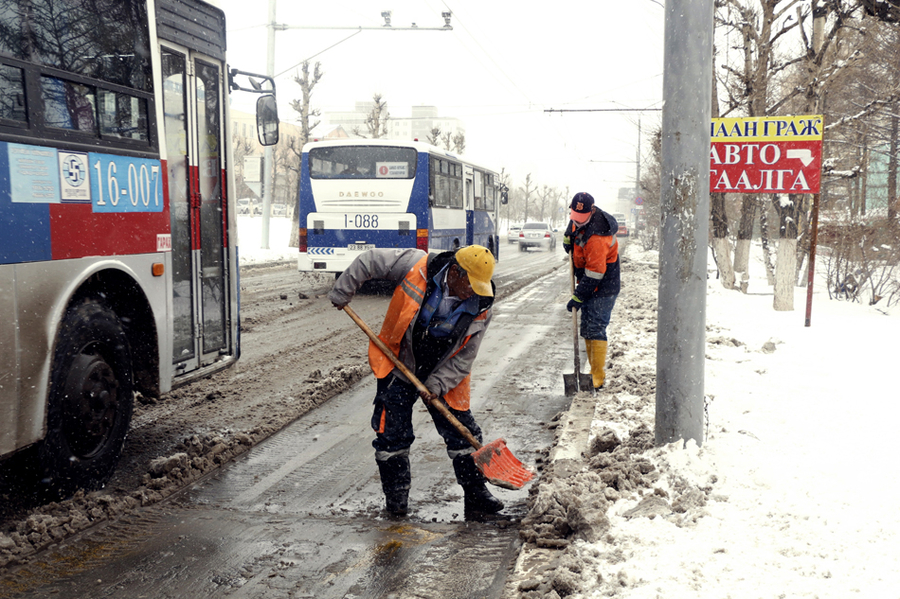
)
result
[(499, 466)]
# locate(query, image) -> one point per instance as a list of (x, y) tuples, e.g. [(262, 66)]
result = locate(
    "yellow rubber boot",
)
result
[(596, 351)]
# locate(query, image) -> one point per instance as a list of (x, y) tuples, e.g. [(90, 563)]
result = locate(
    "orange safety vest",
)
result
[(405, 304)]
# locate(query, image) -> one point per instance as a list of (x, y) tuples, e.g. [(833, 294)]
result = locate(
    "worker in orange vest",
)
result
[(435, 323), (591, 238)]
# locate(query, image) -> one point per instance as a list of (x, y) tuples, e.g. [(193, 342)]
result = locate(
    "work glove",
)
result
[(567, 244), (574, 303)]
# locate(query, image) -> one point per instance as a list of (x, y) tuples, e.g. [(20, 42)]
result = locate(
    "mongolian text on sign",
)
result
[(766, 154)]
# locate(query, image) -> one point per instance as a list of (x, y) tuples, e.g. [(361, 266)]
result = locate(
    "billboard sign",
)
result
[(766, 154)]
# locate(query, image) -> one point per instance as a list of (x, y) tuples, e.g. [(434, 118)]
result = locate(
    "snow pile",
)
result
[(793, 491)]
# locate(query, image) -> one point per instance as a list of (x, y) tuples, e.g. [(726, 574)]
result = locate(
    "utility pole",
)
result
[(684, 204), (269, 152), (637, 174), (271, 27)]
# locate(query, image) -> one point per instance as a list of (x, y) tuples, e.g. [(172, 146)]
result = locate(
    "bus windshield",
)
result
[(362, 162)]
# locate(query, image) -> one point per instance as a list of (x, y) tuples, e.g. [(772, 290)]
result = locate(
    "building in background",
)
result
[(417, 126)]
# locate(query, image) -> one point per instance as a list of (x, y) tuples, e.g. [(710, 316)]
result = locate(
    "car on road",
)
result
[(243, 206), (538, 235), (512, 236), (279, 210), (623, 226)]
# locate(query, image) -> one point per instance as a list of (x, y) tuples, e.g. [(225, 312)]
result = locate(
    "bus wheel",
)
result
[(90, 403)]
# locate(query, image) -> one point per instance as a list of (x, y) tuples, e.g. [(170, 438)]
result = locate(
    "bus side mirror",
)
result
[(504, 195), (267, 120)]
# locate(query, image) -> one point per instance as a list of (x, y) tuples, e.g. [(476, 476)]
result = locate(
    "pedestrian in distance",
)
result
[(590, 238), (435, 323)]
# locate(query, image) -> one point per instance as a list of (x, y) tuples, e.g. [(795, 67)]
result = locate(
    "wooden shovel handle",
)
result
[(437, 403)]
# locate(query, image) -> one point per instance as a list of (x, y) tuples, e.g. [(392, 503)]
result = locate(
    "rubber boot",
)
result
[(596, 351), (395, 479), (476, 497)]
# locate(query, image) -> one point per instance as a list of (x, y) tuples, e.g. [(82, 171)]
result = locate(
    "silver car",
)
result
[(538, 235), (513, 235)]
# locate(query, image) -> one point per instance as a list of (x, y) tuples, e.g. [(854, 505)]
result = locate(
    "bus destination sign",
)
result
[(766, 154)]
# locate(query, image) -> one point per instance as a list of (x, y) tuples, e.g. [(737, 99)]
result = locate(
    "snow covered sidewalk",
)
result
[(793, 492)]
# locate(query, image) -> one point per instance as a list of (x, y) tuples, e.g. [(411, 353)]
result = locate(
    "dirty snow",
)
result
[(793, 491)]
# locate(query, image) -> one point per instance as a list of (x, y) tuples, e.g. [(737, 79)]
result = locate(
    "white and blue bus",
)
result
[(359, 194), (118, 253)]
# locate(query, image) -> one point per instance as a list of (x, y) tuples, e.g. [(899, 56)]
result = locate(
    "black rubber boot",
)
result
[(476, 497), (395, 479)]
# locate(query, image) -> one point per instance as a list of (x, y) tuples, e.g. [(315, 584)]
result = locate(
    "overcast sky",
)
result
[(499, 70)]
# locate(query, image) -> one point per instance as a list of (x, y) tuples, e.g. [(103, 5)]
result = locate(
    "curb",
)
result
[(566, 458)]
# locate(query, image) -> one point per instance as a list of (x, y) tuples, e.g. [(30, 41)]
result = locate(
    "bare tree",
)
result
[(719, 242), (527, 189), (434, 136), (376, 120), (459, 142), (241, 147), (307, 83), (747, 86), (768, 82)]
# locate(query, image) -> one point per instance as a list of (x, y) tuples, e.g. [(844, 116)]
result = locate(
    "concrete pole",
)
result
[(637, 180), (684, 203), (269, 153)]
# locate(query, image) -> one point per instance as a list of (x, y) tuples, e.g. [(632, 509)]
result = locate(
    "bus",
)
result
[(118, 255), (358, 194)]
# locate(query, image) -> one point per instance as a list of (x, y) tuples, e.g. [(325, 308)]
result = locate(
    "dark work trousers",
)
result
[(595, 315), (392, 421)]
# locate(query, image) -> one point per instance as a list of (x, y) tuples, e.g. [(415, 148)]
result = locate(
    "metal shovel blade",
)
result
[(500, 467), (574, 383), (570, 381)]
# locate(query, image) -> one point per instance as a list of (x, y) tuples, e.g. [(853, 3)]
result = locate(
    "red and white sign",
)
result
[(163, 242), (766, 154)]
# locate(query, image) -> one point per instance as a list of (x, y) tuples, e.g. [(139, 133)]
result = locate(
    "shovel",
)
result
[(495, 461), (579, 380)]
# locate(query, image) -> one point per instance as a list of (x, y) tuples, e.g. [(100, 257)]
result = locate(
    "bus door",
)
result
[(470, 205), (192, 103)]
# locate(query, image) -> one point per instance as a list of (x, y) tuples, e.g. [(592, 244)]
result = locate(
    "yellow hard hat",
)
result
[(478, 262)]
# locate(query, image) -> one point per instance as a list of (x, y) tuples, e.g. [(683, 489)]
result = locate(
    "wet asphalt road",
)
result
[(301, 515)]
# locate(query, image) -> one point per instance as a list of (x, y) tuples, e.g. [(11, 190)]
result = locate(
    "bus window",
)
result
[(456, 193), (370, 162), (479, 190), (12, 94), (69, 105), (105, 40), (489, 193), (122, 116)]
